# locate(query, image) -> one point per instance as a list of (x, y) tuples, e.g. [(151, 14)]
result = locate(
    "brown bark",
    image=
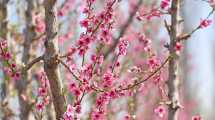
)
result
[(173, 82), (133, 105), (49, 112), (51, 57), (3, 18), (22, 84)]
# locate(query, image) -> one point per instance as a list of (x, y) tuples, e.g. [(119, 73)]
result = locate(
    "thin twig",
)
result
[(76, 77), (149, 76), (38, 37), (188, 35), (34, 61)]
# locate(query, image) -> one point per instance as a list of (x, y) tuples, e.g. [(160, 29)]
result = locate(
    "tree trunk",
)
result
[(51, 57), (173, 81), (22, 84)]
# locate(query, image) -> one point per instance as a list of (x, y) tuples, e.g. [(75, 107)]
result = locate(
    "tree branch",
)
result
[(149, 76), (30, 64), (76, 77), (188, 35), (123, 29)]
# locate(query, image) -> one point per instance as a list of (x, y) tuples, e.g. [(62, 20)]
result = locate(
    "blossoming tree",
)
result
[(93, 59)]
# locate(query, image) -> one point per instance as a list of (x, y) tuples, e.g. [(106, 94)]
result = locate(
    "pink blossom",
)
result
[(108, 79), (211, 2), (205, 23), (123, 45), (145, 41), (84, 23), (97, 59), (16, 75), (165, 4), (178, 47), (46, 100), (153, 13), (7, 56), (153, 62), (72, 86), (40, 106), (127, 117), (197, 117), (105, 36), (3, 44), (68, 5), (78, 109), (40, 24), (68, 115), (160, 111), (42, 91)]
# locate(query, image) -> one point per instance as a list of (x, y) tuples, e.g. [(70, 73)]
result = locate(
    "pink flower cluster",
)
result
[(93, 23), (63, 38), (75, 90), (39, 24), (66, 8), (43, 98), (69, 114), (161, 111), (178, 48), (98, 59), (153, 63), (10, 67), (145, 42), (102, 101), (205, 23), (197, 117), (153, 13), (165, 4), (83, 43), (108, 79), (78, 92), (123, 45), (211, 2)]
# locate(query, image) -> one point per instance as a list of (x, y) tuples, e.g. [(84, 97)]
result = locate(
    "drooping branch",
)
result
[(51, 57)]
